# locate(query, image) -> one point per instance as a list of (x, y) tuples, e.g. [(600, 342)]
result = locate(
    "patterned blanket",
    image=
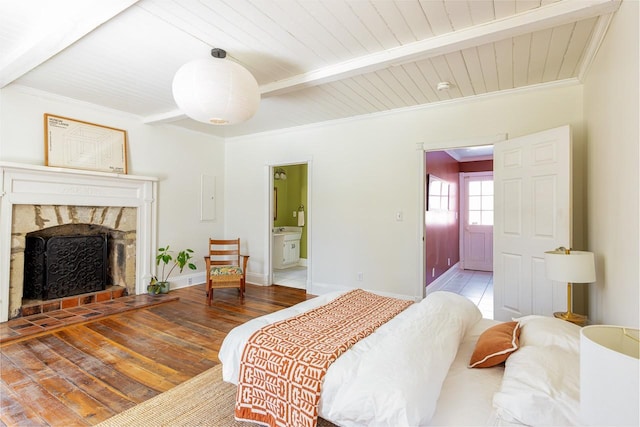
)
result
[(283, 364)]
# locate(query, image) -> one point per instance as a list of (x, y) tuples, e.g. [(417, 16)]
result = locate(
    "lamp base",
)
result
[(577, 319)]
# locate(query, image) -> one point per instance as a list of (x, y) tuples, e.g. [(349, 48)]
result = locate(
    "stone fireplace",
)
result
[(51, 201), (39, 223)]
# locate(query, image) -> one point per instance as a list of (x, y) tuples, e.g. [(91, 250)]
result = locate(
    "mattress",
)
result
[(466, 394)]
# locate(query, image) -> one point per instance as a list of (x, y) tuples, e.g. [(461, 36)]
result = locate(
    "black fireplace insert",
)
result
[(58, 266)]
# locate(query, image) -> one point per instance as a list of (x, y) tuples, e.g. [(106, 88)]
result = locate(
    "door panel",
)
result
[(532, 176), (511, 270), (476, 233)]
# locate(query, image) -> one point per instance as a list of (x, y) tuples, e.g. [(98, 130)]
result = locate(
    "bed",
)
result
[(413, 370)]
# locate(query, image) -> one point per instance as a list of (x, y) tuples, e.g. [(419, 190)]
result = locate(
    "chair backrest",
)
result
[(224, 252)]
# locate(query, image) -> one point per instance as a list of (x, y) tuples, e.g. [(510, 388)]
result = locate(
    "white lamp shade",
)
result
[(609, 372), (216, 91), (575, 267)]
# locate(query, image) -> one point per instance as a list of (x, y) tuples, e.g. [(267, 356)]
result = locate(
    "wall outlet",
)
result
[(360, 276), (295, 214), (190, 280), (448, 261), (433, 272)]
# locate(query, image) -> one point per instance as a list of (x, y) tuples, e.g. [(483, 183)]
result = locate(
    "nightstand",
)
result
[(577, 319)]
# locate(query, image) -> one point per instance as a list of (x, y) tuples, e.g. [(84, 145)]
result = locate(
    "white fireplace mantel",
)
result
[(42, 185)]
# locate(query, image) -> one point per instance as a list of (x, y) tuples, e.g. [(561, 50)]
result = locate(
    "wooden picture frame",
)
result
[(75, 144), (275, 203)]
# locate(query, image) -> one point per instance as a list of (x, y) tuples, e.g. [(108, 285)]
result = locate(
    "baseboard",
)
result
[(324, 288), (187, 280), (443, 278), (258, 279)]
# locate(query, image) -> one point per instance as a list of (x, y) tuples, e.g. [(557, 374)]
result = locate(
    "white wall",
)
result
[(178, 157), (364, 171), (611, 112)]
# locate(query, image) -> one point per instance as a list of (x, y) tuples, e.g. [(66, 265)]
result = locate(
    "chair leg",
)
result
[(209, 293)]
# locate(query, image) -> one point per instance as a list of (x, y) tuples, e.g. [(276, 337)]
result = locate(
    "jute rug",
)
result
[(204, 400)]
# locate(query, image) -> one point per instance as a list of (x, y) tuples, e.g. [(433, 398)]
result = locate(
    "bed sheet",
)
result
[(467, 394)]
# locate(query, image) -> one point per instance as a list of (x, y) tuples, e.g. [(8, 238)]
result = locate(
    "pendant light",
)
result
[(216, 90)]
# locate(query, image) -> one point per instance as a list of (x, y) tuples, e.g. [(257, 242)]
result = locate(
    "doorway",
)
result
[(533, 196), (449, 241), (476, 225), (289, 225)]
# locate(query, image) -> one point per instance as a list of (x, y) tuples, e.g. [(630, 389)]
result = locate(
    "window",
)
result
[(480, 202)]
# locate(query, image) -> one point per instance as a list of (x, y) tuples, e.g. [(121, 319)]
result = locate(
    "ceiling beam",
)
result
[(168, 117), (548, 16), (59, 35)]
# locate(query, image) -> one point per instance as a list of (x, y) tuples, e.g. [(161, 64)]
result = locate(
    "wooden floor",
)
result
[(83, 374)]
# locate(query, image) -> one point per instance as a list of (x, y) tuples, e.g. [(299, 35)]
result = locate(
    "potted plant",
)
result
[(161, 286)]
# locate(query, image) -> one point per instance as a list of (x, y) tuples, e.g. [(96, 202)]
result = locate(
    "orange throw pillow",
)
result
[(495, 345)]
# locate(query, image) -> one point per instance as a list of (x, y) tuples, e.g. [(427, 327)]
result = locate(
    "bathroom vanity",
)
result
[(286, 246)]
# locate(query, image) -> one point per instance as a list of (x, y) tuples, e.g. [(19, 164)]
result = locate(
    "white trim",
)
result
[(422, 107), (422, 148), (420, 292), (31, 184), (437, 284), (187, 280), (39, 93), (267, 276), (597, 37), (325, 288)]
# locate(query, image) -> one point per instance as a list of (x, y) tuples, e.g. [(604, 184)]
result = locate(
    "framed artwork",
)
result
[(275, 203), (75, 144)]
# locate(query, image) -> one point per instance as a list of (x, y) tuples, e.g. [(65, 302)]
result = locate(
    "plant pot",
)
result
[(164, 287), (158, 288)]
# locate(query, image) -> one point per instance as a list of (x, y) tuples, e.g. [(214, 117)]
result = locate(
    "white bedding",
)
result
[(394, 376), (467, 394)]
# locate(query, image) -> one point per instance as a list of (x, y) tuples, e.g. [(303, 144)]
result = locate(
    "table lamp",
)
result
[(564, 265), (609, 375)]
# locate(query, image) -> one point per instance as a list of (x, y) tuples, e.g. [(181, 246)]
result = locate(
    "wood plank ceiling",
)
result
[(315, 60)]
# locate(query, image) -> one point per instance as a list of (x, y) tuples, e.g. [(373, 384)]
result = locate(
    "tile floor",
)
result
[(293, 277), (29, 325), (475, 285)]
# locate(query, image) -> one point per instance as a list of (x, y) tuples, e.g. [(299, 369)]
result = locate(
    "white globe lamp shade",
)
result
[(216, 91)]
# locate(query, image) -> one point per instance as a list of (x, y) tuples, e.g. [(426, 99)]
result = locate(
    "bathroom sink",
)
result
[(286, 246), (289, 233)]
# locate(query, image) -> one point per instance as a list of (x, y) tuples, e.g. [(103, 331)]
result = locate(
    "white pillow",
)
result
[(540, 387), (542, 331)]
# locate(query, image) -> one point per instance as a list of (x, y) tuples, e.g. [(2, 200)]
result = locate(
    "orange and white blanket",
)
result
[(283, 364)]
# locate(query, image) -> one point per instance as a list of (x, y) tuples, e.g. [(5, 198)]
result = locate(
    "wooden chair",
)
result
[(224, 267)]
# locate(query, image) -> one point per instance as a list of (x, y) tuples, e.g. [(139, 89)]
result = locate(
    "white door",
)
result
[(532, 182), (477, 221)]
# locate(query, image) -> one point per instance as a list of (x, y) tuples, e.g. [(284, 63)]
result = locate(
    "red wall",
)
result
[(442, 229)]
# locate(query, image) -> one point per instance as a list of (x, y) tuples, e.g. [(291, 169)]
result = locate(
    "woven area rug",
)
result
[(204, 400)]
